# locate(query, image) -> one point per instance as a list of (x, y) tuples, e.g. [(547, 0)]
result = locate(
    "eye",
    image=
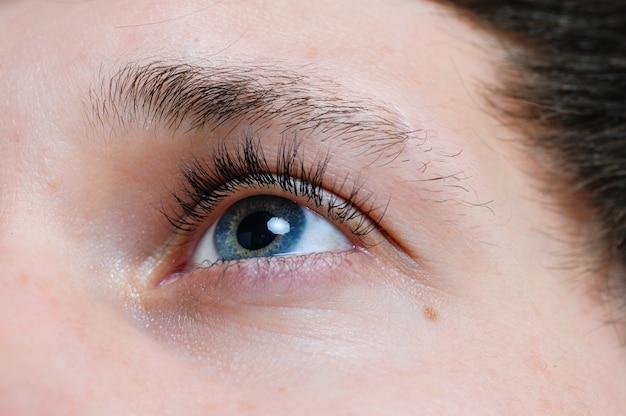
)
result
[(267, 226)]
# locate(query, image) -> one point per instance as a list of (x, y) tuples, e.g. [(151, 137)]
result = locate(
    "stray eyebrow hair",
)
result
[(198, 96)]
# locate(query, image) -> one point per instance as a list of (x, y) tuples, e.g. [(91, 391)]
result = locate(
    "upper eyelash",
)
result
[(206, 183)]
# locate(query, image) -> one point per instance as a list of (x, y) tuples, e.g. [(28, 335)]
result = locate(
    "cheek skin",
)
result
[(397, 342), (303, 349), (294, 295), (295, 356), (65, 352), (454, 375)]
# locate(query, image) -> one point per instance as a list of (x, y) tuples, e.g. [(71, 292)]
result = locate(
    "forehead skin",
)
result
[(465, 307)]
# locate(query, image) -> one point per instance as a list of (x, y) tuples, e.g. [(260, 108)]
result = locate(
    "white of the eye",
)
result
[(320, 235)]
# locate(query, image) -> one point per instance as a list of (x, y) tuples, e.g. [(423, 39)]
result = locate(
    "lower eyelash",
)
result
[(227, 170)]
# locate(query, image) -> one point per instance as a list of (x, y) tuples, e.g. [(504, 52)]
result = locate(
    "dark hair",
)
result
[(570, 56)]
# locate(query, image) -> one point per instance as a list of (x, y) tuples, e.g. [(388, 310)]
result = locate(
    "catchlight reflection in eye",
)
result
[(265, 226)]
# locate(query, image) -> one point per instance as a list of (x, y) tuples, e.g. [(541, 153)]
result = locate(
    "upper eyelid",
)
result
[(210, 180)]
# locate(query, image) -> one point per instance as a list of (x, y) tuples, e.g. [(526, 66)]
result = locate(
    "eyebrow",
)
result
[(199, 96)]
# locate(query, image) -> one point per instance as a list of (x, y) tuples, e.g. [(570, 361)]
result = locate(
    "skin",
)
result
[(474, 298)]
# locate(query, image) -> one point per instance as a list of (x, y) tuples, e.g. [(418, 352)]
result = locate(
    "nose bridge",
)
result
[(31, 311), (12, 137), (64, 352), (22, 163), (50, 340)]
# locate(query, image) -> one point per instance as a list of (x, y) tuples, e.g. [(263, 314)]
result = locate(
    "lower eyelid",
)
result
[(266, 279)]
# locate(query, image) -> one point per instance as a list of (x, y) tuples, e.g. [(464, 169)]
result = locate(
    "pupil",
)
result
[(253, 232)]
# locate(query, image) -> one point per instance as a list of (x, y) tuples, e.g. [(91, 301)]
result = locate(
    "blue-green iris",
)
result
[(259, 226)]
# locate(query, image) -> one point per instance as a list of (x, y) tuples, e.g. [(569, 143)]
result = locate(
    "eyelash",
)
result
[(207, 183)]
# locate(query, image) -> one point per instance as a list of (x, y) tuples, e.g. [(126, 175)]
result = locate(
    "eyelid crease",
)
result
[(208, 182)]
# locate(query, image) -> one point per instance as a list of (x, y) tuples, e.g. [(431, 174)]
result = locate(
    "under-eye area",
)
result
[(277, 280)]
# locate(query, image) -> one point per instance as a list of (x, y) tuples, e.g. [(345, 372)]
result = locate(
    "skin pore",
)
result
[(467, 294)]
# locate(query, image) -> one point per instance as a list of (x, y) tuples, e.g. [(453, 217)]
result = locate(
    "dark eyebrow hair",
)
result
[(197, 96)]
